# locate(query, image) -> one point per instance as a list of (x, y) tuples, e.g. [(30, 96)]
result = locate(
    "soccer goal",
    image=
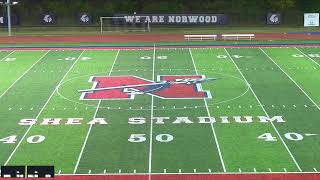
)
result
[(124, 24)]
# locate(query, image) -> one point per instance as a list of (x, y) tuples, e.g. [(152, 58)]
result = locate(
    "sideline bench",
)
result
[(200, 37), (237, 36)]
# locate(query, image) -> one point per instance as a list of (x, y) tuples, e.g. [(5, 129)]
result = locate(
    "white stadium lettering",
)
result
[(298, 55), (100, 121), (206, 120), (74, 121), (137, 120), (314, 55), (180, 120), (27, 122), (51, 121), (160, 120), (245, 119), (264, 119)]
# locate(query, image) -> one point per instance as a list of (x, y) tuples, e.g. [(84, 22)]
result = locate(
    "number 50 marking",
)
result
[(137, 138)]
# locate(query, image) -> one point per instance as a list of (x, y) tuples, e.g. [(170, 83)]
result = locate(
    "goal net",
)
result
[(124, 24)]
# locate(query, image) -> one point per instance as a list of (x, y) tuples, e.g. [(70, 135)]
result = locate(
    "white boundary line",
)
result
[(274, 127), (44, 106), (7, 55), (23, 74), (200, 173), (151, 115), (213, 131), (307, 56), (94, 116), (291, 79)]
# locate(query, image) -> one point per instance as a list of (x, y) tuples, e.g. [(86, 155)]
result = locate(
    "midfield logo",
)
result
[(166, 87)]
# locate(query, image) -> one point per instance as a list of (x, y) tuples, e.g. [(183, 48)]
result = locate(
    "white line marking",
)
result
[(209, 115), (23, 74), (291, 79), (195, 170), (7, 56), (315, 170), (240, 170), (274, 127), (284, 169), (190, 173), (94, 116), (44, 106), (104, 171), (254, 170), (151, 114), (209, 170), (307, 56), (119, 171), (179, 170), (269, 169)]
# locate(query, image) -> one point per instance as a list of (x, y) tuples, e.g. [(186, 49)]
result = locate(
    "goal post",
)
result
[(124, 24)]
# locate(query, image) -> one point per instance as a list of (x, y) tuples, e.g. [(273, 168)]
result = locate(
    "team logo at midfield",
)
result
[(126, 87)]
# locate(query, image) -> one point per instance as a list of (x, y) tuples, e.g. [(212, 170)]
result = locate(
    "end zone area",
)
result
[(236, 110)]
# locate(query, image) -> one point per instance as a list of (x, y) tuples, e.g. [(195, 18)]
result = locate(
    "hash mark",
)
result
[(209, 170), (269, 169), (104, 171), (240, 170), (194, 170), (134, 171), (315, 169), (59, 172), (165, 170), (284, 169), (89, 171), (254, 170), (119, 171), (179, 170)]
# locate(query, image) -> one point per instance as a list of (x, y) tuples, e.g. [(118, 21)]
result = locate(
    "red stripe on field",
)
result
[(292, 176)]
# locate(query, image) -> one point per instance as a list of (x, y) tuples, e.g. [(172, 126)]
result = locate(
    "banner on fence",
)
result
[(311, 19), (48, 19), (4, 20), (84, 19), (216, 19), (273, 18)]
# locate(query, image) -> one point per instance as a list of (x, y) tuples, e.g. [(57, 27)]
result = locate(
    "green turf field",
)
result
[(265, 114)]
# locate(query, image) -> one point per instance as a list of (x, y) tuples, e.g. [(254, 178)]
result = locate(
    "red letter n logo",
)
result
[(126, 87)]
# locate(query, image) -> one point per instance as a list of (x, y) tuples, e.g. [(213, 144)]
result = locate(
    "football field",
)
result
[(161, 110)]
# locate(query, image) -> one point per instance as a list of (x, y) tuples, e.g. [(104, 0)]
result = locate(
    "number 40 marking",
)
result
[(290, 136), (31, 140)]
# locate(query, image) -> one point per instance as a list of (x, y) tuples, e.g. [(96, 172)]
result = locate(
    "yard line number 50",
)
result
[(138, 138)]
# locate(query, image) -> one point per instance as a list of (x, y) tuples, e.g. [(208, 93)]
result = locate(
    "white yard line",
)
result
[(307, 56), (291, 80), (151, 115), (7, 55), (209, 115), (44, 106), (94, 116), (274, 127), (23, 74)]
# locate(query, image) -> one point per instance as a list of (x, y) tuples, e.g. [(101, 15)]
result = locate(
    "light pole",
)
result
[(8, 4)]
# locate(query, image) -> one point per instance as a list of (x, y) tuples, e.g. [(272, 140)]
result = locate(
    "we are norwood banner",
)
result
[(311, 19), (217, 19)]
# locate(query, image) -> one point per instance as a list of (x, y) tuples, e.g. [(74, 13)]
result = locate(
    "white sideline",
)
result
[(274, 127), (307, 56), (7, 55), (213, 131), (44, 106), (94, 116), (23, 74), (291, 79), (151, 115)]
